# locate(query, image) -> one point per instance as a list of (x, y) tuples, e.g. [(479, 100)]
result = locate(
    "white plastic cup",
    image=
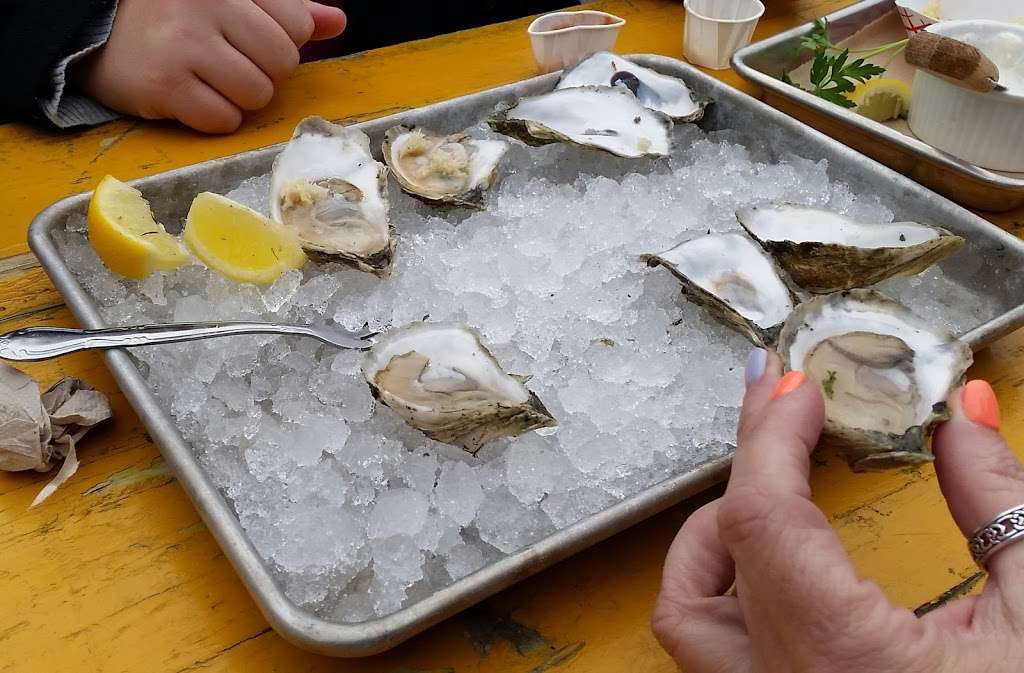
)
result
[(563, 39), (716, 29)]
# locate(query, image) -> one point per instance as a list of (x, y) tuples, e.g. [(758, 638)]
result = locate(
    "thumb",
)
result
[(328, 21), (978, 473)]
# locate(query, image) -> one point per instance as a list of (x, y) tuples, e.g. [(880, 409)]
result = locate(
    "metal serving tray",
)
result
[(170, 194), (764, 62)]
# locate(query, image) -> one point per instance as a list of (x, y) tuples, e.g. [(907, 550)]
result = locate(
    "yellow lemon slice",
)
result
[(125, 235), (881, 99), (238, 242)]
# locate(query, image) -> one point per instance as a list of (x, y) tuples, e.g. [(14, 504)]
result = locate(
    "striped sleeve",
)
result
[(64, 107)]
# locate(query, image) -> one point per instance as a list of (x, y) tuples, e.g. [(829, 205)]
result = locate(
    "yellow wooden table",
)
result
[(117, 573)]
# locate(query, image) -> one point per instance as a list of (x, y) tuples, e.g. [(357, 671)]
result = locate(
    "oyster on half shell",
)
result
[(601, 117), (666, 94), (328, 188), (734, 279), (885, 374), (824, 252), (441, 379), (454, 169)]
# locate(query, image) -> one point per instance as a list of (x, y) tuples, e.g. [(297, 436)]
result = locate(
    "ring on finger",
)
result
[(1003, 530)]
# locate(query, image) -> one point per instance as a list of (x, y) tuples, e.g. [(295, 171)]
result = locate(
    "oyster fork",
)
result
[(43, 343)]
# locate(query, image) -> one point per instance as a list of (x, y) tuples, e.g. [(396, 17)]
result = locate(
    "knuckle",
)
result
[(161, 85), (671, 620), (262, 92), (745, 513), (1000, 467), (304, 29), (225, 120), (748, 427), (284, 63)]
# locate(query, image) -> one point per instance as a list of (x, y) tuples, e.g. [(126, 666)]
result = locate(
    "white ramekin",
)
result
[(986, 129), (562, 39), (919, 14), (717, 29)]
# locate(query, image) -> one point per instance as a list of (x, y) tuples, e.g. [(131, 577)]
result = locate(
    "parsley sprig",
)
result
[(833, 74)]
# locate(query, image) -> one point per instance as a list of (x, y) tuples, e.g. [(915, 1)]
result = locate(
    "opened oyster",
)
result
[(734, 279), (655, 91), (885, 374), (442, 380), (453, 169), (328, 188), (824, 252), (602, 117)]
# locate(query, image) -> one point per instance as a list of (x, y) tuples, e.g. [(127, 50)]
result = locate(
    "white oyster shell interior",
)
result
[(659, 92), (440, 367), (880, 366), (607, 118), (736, 270), (327, 186), (803, 224), (439, 167)]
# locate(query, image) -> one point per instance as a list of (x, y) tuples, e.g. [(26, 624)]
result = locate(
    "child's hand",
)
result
[(202, 61)]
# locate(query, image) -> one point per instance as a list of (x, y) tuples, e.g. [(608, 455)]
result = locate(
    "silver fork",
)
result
[(43, 343)]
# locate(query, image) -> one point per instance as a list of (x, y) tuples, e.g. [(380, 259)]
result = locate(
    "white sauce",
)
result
[(1006, 50)]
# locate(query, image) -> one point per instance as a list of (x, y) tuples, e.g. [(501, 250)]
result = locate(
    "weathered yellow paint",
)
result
[(116, 572)]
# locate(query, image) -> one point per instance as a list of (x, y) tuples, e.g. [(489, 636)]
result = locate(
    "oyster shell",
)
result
[(824, 252), (655, 91), (441, 379), (884, 372), (329, 189), (602, 117), (731, 276), (453, 169)]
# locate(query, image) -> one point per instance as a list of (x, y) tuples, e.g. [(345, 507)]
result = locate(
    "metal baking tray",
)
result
[(170, 194), (764, 62)]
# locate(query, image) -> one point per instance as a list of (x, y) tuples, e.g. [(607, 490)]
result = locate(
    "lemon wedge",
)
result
[(881, 99), (238, 242), (125, 235)]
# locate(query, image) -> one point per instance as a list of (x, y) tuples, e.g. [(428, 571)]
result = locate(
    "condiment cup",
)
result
[(562, 39), (716, 29), (985, 129)]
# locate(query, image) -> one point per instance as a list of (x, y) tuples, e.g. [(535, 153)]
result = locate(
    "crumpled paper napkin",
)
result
[(38, 431)]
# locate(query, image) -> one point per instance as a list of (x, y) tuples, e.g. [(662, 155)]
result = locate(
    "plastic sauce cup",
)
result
[(716, 29), (562, 39)]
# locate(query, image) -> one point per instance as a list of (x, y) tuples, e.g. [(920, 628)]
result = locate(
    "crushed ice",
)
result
[(358, 514)]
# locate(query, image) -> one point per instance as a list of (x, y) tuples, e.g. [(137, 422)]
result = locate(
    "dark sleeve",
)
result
[(34, 36)]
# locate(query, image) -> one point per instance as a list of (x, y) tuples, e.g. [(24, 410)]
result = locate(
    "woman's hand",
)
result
[(800, 606), (202, 61)]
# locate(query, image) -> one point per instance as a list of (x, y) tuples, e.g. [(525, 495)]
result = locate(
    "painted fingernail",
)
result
[(788, 383), (980, 404), (756, 362)]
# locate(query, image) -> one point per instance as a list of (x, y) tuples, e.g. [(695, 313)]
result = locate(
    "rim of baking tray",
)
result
[(340, 639)]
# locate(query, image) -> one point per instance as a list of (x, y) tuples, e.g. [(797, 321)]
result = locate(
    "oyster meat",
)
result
[(328, 188), (602, 117), (441, 379), (885, 374), (454, 169), (731, 276), (666, 94), (825, 252)]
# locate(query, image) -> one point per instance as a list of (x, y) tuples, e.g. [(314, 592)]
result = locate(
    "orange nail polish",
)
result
[(788, 384), (980, 404)]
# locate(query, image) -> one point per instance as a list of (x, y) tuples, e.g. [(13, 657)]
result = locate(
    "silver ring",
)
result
[(1004, 529)]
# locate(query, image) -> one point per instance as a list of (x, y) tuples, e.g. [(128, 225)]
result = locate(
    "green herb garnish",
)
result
[(832, 74), (829, 384)]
